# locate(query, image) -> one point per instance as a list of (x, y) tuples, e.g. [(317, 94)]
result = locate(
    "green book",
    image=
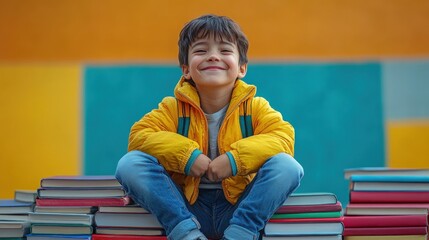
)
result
[(307, 215)]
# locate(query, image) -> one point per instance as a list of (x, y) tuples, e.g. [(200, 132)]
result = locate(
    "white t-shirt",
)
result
[(214, 121)]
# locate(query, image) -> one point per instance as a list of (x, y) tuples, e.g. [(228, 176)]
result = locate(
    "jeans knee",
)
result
[(287, 169), (130, 164)]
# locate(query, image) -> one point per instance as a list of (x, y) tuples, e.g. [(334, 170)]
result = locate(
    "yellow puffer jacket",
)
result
[(156, 134)]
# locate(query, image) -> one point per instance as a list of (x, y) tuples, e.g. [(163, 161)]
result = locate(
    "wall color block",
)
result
[(114, 98), (71, 30), (407, 144), (39, 124)]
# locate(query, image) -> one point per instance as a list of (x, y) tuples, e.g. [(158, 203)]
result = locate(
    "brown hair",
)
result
[(217, 26)]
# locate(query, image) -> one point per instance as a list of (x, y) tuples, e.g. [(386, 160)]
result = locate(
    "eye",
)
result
[(227, 51), (199, 51)]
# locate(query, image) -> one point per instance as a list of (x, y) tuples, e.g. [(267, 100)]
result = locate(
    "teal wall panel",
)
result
[(114, 98), (336, 110)]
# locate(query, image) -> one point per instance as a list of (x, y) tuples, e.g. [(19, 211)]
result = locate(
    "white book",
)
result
[(80, 193), (123, 209), (308, 228), (65, 209), (13, 228), (313, 198), (310, 237), (28, 196), (61, 218), (142, 220), (129, 231)]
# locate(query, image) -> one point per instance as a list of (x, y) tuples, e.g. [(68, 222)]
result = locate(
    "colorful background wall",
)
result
[(351, 76)]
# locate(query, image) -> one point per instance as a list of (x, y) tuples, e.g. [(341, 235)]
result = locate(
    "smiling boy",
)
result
[(214, 161)]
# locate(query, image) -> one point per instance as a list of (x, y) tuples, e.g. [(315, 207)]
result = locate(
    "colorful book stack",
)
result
[(306, 216), (65, 205), (387, 204), (14, 222), (126, 222)]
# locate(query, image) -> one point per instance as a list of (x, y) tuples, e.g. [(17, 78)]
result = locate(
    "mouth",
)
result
[(213, 68)]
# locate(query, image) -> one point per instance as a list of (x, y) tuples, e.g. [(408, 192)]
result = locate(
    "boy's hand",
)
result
[(219, 168), (200, 166)]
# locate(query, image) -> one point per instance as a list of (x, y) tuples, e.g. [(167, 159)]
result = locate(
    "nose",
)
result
[(213, 56)]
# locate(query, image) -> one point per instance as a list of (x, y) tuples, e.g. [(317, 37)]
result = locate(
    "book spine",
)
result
[(388, 197), (310, 208), (308, 215), (385, 231), (83, 202), (386, 221)]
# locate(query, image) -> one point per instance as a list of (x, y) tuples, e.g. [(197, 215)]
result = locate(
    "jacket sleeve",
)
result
[(271, 135), (155, 134)]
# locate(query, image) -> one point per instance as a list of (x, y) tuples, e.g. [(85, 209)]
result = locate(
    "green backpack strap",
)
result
[(246, 119), (183, 111)]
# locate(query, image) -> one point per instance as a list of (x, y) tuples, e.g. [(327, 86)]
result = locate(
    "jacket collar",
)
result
[(186, 92)]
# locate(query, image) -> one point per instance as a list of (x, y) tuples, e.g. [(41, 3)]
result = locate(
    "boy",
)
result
[(215, 161)]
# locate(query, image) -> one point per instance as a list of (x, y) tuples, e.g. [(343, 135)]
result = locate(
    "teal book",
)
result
[(57, 237), (398, 178), (389, 183), (307, 215), (384, 171)]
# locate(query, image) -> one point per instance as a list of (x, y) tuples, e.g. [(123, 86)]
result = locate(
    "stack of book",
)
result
[(126, 222), (14, 214), (65, 205), (307, 216), (387, 204)]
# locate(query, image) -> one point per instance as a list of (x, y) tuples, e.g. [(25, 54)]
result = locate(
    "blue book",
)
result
[(9, 206), (398, 178), (56, 237)]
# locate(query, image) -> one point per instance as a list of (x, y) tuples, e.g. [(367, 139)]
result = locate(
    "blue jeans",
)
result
[(212, 216)]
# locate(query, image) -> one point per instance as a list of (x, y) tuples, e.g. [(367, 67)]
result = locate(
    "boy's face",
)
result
[(213, 63)]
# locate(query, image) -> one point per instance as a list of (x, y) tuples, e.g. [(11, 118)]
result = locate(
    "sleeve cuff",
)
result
[(191, 160), (232, 162)]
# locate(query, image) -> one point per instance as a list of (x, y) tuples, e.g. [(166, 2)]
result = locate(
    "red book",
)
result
[(374, 231), (122, 201), (386, 221), (310, 208), (126, 237), (305, 220), (389, 197)]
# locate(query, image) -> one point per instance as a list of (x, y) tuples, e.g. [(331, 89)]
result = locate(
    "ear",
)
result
[(185, 72), (242, 71)]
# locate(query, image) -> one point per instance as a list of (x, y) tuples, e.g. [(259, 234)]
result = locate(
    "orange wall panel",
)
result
[(134, 30), (40, 124)]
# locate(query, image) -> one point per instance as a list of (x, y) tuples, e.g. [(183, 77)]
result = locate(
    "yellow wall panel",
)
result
[(407, 144), (40, 124), (130, 30)]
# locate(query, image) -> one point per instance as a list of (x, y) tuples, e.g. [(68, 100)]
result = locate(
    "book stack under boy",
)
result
[(131, 222), (306, 216), (14, 222), (65, 205), (387, 204)]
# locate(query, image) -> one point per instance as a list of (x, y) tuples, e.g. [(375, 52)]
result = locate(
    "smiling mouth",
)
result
[(213, 68)]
